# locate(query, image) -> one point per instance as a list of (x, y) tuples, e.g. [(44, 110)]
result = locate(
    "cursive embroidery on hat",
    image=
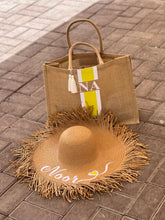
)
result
[(58, 173)]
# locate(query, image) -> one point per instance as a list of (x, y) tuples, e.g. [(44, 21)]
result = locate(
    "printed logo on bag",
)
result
[(89, 89)]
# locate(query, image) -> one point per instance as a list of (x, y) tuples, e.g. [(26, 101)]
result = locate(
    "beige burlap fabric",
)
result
[(115, 81)]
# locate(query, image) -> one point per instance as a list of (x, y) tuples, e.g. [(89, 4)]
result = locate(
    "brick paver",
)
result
[(23, 22), (106, 214), (28, 211), (32, 33)]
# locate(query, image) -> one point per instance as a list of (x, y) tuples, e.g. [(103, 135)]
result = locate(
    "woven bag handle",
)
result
[(86, 44), (84, 20)]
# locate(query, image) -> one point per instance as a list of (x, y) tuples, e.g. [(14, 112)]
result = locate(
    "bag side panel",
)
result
[(117, 89)]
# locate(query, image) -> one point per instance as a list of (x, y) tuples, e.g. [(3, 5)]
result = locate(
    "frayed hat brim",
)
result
[(136, 157)]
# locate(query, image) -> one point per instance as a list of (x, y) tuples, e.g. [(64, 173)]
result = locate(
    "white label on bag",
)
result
[(89, 90)]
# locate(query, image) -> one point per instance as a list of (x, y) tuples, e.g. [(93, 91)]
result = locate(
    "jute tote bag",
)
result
[(108, 82)]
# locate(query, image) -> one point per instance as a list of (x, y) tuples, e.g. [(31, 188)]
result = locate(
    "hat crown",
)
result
[(77, 146)]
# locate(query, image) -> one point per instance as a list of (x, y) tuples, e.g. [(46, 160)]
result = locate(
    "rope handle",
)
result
[(70, 67), (84, 20)]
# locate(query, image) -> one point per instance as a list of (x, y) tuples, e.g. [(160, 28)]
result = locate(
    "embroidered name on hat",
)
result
[(89, 90), (57, 173)]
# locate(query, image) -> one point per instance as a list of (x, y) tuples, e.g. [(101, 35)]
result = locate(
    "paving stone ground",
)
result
[(23, 22), (127, 26)]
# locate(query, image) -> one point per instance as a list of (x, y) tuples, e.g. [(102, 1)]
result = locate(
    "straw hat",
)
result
[(76, 156)]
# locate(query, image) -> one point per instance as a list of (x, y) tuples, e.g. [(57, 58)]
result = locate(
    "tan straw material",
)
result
[(76, 156)]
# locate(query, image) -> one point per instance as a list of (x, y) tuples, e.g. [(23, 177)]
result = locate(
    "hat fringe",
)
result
[(136, 157)]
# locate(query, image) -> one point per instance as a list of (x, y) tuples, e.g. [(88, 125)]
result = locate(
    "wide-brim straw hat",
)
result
[(76, 156)]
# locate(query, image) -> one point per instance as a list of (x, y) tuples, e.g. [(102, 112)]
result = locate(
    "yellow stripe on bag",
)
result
[(87, 74), (91, 100)]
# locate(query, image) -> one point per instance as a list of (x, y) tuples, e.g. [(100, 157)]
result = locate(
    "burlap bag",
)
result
[(115, 81)]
